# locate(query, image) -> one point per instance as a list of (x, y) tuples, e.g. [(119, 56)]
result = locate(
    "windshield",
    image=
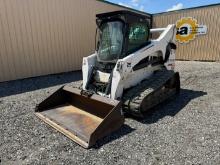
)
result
[(111, 40)]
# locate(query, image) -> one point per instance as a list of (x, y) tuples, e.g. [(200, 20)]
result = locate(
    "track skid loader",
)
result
[(128, 73)]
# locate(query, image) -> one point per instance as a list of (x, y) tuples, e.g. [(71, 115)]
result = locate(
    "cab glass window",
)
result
[(138, 36)]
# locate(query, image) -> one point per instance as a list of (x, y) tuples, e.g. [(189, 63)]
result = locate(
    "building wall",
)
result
[(41, 37), (204, 47)]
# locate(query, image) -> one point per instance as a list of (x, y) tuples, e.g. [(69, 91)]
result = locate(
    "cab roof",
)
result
[(122, 13), (125, 16)]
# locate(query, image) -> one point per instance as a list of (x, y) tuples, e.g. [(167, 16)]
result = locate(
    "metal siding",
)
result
[(40, 37), (204, 47)]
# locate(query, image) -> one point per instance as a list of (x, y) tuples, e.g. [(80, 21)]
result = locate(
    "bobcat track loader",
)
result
[(128, 73)]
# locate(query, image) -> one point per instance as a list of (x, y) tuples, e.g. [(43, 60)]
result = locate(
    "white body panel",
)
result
[(102, 77), (88, 63), (123, 74)]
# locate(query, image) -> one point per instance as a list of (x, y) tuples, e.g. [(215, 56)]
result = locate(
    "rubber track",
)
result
[(132, 98)]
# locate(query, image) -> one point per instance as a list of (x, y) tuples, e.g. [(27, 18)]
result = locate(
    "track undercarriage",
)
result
[(162, 85)]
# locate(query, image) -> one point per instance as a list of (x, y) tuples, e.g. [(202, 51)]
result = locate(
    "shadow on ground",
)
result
[(168, 108), (31, 84), (124, 130), (171, 106)]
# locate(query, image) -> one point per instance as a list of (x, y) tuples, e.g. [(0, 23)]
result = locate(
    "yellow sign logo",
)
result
[(188, 29)]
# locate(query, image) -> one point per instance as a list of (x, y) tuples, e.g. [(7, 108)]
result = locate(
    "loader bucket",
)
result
[(81, 118)]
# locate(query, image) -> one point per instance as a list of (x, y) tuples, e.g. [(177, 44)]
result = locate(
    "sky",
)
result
[(157, 6)]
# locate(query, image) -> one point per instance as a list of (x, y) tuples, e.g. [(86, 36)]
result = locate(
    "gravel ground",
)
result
[(185, 130)]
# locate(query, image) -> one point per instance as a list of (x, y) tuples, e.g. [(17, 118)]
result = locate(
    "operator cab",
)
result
[(120, 33)]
